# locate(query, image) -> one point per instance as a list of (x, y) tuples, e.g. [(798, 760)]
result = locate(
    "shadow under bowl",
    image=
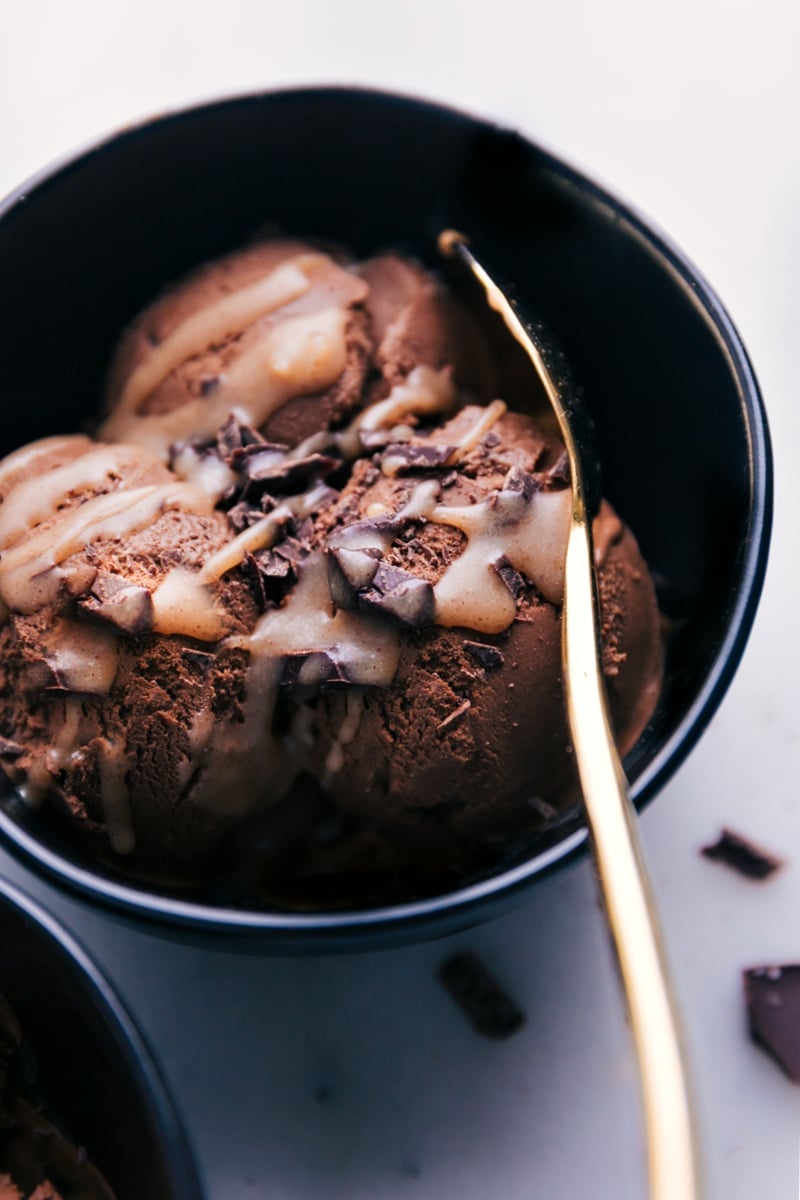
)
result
[(94, 1074), (680, 428)]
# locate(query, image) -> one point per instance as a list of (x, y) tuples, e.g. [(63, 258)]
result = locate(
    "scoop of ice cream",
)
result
[(300, 626), (291, 338)]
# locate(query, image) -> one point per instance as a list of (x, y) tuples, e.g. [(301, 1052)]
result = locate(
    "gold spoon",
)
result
[(672, 1150)]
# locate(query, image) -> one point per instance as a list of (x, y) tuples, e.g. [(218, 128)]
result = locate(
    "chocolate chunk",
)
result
[(402, 457), (198, 658), (485, 1004), (243, 515), (349, 571), (9, 749), (488, 656), (267, 572), (559, 472), (772, 995), (314, 668), (743, 856), (285, 476), (399, 594), (520, 482), (234, 435), (510, 576), (490, 439), (123, 604), (293, 549)]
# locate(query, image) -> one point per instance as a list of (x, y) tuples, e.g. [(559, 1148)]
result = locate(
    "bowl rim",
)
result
[(140, 1062), (459, 905)]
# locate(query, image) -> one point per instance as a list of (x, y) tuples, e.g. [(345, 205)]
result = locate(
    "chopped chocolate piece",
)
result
[(509, 575), (454, 718), (199, 658), (490, 439), (521, 482), (401, 457), (285, 476), (305, 531), (234, 434), (123, 604), (209, 384), (314, 668), (9, 749), (488, 656), (293, 550), (742, 855), (267, 572), (401, 595), (559, 472), (772, 995), (349, 571), (243, 515), (485, 1004)]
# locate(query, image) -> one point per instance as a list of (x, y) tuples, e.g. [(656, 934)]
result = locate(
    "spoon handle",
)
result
[(673, 1159), (630, 909)]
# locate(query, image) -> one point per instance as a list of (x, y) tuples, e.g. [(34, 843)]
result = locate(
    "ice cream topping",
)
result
[(262, 594)]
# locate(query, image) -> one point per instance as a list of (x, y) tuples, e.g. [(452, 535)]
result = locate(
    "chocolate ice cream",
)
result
[(295, 621), (37, 1162)]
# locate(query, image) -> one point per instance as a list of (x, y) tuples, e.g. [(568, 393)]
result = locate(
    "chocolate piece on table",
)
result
[(772, 995), (486, 1005), (742, 855)]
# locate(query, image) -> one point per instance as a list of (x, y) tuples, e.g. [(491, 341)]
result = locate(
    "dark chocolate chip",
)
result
[(491, 439), (400, 595), (772, 995), (267, 573), (293, 549), (488, 656), (509, 575), (243, 515), (412, 456), (743, 856), (485, 1004), (349, 571)]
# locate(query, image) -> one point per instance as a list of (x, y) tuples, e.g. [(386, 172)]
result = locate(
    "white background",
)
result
[(354, 1077)]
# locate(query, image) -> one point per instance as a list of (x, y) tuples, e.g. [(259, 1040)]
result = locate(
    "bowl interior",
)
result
[(677, 416), (91, 1069)]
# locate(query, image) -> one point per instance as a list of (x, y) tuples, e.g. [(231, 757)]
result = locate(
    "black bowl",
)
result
[(93, 1072), (680, 427)]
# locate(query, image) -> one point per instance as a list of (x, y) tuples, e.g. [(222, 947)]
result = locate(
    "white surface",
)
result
[(354, 1077)]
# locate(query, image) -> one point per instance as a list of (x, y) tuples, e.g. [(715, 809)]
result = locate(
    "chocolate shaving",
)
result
[(413, 456), (293, 550), (198, 658), (9, 749), (400, 595), (772, 995), (454, 718), (267, 573), (120, 603), (486, 1005), (489, 657), (743, 856), (314, 668), (509, 575)]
